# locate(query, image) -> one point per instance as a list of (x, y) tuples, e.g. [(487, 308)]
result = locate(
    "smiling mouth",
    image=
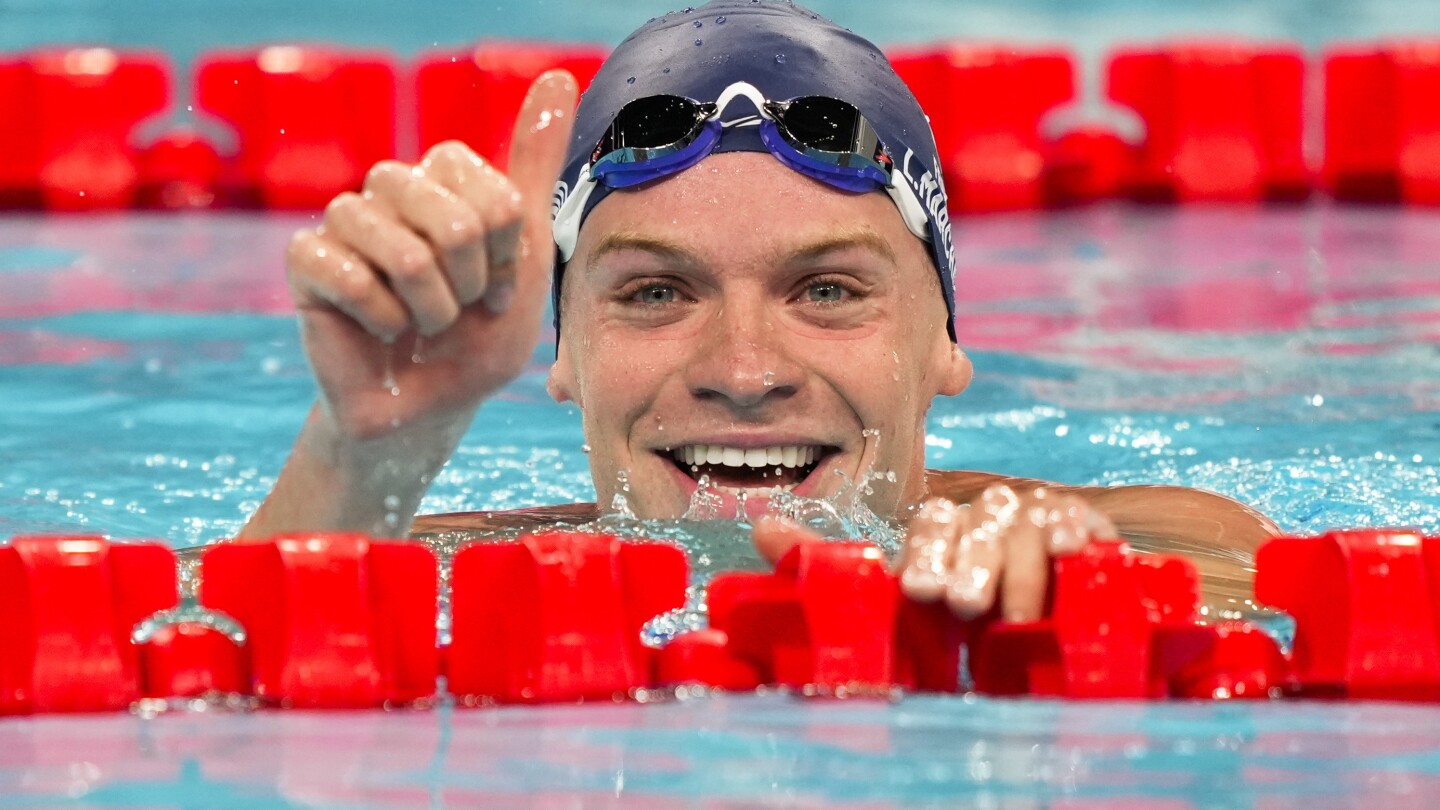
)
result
[(781, 467)]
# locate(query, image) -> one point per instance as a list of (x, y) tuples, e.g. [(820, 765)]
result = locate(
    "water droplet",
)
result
[(780, 58), (769, 378), (698, 42), (666, 70), (689, 9), (392, 502), (698, 24), (720, 20), (630, 80), (584, 448)]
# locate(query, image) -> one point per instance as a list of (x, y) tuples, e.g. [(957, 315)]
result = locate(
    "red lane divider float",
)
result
[(1123, 626), (68, 142), (1382, 125), (825, 621), (344, 621), (333, 621), (474, 96), (68, 605), (179, 170), (1223, 121), (310, 121), (1365, 605), (985, 103), (558, 616)]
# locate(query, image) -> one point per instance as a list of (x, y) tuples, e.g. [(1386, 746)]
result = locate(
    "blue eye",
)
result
[(656, 294), (826, 293)]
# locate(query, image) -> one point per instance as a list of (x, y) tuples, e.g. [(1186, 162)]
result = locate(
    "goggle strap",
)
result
[(566, 227)]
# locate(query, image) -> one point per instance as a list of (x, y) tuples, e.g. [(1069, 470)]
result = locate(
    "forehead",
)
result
[(743, 205)]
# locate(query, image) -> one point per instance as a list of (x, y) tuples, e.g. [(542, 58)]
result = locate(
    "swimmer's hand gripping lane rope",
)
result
[(344, 621)]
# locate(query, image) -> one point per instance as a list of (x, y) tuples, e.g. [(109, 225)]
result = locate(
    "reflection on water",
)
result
[(743, 752)]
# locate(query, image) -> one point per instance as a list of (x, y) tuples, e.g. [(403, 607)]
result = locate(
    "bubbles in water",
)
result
[(417, 354), (780, 58), (705, 502), (392, 502)]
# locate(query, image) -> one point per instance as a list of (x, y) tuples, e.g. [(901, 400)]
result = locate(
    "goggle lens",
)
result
[(652, 127), (826, 125), (653, 123)]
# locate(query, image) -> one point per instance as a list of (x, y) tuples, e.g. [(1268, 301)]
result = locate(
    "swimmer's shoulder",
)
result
[(1218, 534), (509, 521)]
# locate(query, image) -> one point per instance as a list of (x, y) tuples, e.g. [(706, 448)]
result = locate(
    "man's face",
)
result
[(742, 321)]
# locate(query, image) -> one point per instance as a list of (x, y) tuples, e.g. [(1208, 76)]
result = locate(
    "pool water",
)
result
[(152, 382)]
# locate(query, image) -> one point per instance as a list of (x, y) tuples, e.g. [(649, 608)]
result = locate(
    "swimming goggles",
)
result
[(657, 136)]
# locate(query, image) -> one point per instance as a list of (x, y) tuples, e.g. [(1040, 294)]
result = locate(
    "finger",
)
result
[(924, 569), (774, 536), (976, 564), (537, 154), (325, 273), (452, 227), (1073, 523), (1027, 570), (406, 261), (496, 204)]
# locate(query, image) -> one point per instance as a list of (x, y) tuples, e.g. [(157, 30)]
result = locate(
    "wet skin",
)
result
[(736, 304)]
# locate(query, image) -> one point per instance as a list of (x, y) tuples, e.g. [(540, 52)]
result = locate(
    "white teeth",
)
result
[(791, 455)]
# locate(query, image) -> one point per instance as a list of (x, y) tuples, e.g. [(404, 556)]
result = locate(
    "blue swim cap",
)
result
[(787, 52)]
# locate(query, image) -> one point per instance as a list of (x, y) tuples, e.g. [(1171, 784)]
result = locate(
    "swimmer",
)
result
[(752, 269)]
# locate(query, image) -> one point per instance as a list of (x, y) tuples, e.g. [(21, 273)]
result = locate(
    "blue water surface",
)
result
[(151, 382)]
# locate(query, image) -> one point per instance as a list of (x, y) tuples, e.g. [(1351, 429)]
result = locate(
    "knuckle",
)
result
[(452, 153), (301, 247), (385, 172), (411, 264), (356, 287), (342, 205), (463, 230)]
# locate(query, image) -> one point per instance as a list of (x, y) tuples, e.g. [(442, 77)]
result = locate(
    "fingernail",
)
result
[(500, 297), (920, 584), (968, 594), (1069, 532), (1001, 503)]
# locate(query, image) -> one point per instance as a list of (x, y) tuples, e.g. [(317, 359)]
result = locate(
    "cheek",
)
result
[(618, 382)]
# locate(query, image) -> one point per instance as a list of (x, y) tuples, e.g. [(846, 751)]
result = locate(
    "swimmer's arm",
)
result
[(374, 486), (1218, 534)]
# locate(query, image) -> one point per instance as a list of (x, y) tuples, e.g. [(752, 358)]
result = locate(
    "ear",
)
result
[(560, 383), (955, 369)]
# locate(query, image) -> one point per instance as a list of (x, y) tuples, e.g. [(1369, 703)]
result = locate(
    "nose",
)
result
[(743, 362)]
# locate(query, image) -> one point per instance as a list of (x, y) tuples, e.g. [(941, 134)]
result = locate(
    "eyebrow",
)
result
[(856, 237), (629, 240)]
